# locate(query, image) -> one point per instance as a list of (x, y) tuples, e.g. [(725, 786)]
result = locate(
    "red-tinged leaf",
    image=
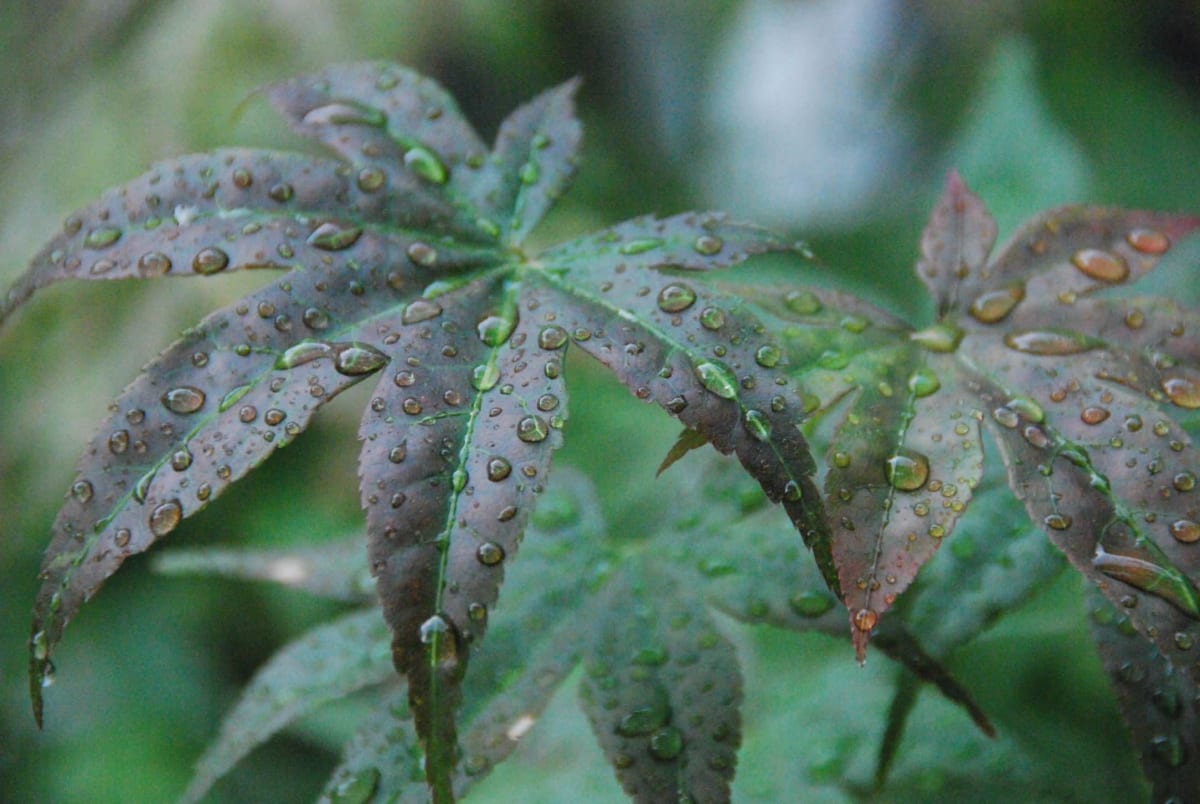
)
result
[(202, 415), (955, 246), (456, 445), (533, 161), (662, 690), (398, 130), (699, 354), (1157, 700), (327, 663)]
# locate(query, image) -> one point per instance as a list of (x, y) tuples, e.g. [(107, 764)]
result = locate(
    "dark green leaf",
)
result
[(1157, 699), (662, 689), (333, 570), (328, 663)]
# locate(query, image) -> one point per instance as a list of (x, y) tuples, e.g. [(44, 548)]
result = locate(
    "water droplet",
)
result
[(40, 645), (676, 297), (498, 469), (717, 378), (1050, 342), (528, 173), (398, 453), (210, 261), (865, 619), (432, 628), (419, 310), (154, 263), (230, 399), (489, 554), (118, 442), (1094, 415), (181, 459), (164, 518), (102, 237), (1057, 521), (274, 417), (1183, 388), (1166, 583), (1184, 481), (494, 330), (758, 424), (768, 356), (907, 470), (1169, 750), (1027, 408), (712, 318), (1148, 241), (639, 246), (184, 399), (302, 353), (532, 429), (358, 789), (330, 236), (485, 376), (666, 743), (938, 338), (370, 179), (646, 719), (411, 406), (810, 604), (426, 164), (82, 491), (923, 382), (1186, 531), (1100, 265), (802, 302), (708, 245), (345, 112), (995, 305), (1006, 417), (358, 359)]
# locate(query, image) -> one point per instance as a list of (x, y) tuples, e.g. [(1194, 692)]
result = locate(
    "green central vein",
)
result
[(675, 345)]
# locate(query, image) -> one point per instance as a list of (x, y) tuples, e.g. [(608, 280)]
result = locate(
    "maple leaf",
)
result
[(404, 262)]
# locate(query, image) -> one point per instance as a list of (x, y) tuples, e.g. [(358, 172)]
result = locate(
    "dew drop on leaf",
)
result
[(532, 429), (529, 173), (865, 619), (422, 254), (358, 789), (666, 743), (1186, 531), (802, 302), (102, 237), (810, 604), (498, 469), (489, 553), (82, 491), (708, 245), (426, 164), (1049, 342), (907, 470), (552, 337), (420, 310), (640, 246), (358, 359), (1057, 521), (370, 179), (494, 330), (345, 113), (1148, 241), (181, 459), (1184, 481), (712, 318), (676, 297), (164, 518), (432, 628), (646, 719), (231, 398), (1094, 415), (717, 378), (923, 382), (1006, 417), (210, 261), (184, 399), (1183, 389), (302, 353), (994, 306), (485, 376), (758, 424), (330, 236), (154, 263), (768, 356), (941, 337), (1100, 265), (1027, 408)]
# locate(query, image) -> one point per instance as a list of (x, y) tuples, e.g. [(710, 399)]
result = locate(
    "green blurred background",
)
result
[(834, 121)]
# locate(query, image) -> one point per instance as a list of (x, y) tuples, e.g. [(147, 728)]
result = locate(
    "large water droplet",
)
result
[(82, 491), (494, 330), (646, 719), (1186, 531), (717, 378), (498, 469), (358, 789), (768, 356), (210, 261), (154, 263), (1148, 241), (432, 628), (802, 302), (938, 338), (532, 429), (358, 359), (810, 604), (1167, 583), (995, 305), (489, 554), (708, 244), (330, 236), (907, 470), (712, 318), (1182, 387), (426, 164), (758, 424), (184, 399), (666, 743), (865, 619), (923, 382), (1100, 265), (485, 376), (676, 297), (639, 246), (164, 518), (302, 353), (345, 112), (1050, 342), (420, 310), (102, 237)]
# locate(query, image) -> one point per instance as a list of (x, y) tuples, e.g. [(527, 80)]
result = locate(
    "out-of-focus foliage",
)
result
[(1112, 92)]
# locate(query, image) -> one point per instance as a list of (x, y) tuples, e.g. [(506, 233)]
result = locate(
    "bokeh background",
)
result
[(831, 120)]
